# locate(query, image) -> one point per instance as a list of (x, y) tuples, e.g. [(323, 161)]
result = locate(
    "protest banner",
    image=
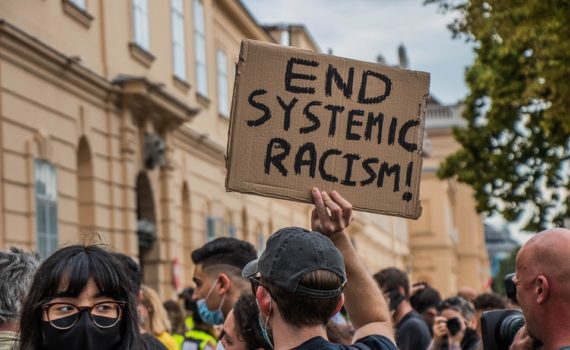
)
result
[(301, 119)]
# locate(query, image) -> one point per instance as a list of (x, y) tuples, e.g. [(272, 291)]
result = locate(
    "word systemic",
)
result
[(364, 124)]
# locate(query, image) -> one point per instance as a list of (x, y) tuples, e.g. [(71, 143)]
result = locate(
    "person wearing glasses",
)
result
[(303, 278), (78, 299)]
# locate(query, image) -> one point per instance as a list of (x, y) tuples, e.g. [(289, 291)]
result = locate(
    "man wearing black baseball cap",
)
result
[(304, 277)]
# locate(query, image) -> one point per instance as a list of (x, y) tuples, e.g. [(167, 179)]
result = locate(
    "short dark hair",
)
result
[(300, 310), (246, 315), (458, 304), (489, 301), (76, 265), (133, 270), (392, 278), (425, 298), (186, 296), (225, 251)]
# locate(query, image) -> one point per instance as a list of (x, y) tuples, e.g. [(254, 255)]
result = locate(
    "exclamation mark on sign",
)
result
[(407, 196)]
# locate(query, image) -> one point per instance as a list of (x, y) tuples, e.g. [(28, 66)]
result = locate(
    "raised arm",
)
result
[(364, 302)]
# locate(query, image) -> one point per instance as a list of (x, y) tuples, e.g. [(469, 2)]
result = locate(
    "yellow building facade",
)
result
[(447, 243), (114, 119)]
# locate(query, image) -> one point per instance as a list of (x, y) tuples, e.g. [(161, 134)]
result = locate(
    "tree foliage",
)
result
[(516, 148)]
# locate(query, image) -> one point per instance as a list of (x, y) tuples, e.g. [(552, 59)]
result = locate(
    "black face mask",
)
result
[(84, 335)]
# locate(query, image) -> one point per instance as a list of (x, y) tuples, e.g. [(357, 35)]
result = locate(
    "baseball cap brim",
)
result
[(251, 269)]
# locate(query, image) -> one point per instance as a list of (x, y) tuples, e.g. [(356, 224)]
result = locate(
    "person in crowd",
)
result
[(17, 269), (412, 332), (300, 282), (543, 286), (202, 334), (154, 318), (135, 276), (487, 302), (176, 317), (425, 300), (217, 267), (241, 328), (455, 326), (78, 300), (186, 297), (467, 293)]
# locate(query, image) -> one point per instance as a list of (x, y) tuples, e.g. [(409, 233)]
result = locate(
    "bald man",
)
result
[(543, 290)]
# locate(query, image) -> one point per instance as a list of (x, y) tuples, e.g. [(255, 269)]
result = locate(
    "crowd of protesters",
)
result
[(307, 290)]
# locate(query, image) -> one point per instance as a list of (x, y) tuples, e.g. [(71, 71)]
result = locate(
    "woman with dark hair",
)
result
[(79, 300)]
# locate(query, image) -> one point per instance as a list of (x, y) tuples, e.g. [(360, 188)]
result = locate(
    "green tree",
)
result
[(516, 148)]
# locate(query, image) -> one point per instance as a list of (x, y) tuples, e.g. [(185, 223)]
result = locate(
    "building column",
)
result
[(128, 150), (170, 238)]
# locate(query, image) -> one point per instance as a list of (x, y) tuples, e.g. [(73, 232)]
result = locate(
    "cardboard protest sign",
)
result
[(301, 119)]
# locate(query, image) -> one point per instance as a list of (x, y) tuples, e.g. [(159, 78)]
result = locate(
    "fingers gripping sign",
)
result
[(332, 213)]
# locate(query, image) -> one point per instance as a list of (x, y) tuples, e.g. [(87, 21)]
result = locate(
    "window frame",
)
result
[(141, 33), (178, 39), (223, 84), (46, 207), (200, 54), (82, 4)]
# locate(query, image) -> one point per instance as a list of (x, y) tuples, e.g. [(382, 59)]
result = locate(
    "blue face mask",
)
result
[(211, 317)]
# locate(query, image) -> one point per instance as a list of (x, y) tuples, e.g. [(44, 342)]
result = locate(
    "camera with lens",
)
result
[(453, 326), (499, 327)]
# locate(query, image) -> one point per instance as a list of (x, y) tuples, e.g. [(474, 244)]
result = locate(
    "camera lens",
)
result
[(509, 328)]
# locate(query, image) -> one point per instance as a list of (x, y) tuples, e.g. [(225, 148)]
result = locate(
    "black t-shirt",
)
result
[(371, 342), (412, 333)]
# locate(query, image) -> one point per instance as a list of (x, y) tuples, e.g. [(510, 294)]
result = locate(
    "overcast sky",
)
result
[(363, 29)]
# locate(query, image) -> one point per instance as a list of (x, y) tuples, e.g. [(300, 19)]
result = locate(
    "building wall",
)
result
[(76, 92), (447, 243)]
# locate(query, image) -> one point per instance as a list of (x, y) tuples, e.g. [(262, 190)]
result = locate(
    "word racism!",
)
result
[(364, 124)]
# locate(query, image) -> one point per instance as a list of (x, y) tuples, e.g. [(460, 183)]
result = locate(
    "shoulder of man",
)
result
[(413, 321), (373, 342), (413, 333)]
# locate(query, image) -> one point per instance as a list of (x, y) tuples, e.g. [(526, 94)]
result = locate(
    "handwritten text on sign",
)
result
[(334, 121)]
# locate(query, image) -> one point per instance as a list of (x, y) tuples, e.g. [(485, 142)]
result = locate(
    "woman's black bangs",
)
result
[(107, 277), (68, 276)]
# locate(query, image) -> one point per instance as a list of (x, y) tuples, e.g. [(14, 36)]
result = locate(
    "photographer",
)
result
[(455, 327), (543, 287), (412, 333)]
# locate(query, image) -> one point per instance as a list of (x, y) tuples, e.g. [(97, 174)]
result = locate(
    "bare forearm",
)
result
[(363, 299)]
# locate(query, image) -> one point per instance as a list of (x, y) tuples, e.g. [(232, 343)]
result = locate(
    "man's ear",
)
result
[(339, 304), (264, 301), (541, 288), (225, 283)]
